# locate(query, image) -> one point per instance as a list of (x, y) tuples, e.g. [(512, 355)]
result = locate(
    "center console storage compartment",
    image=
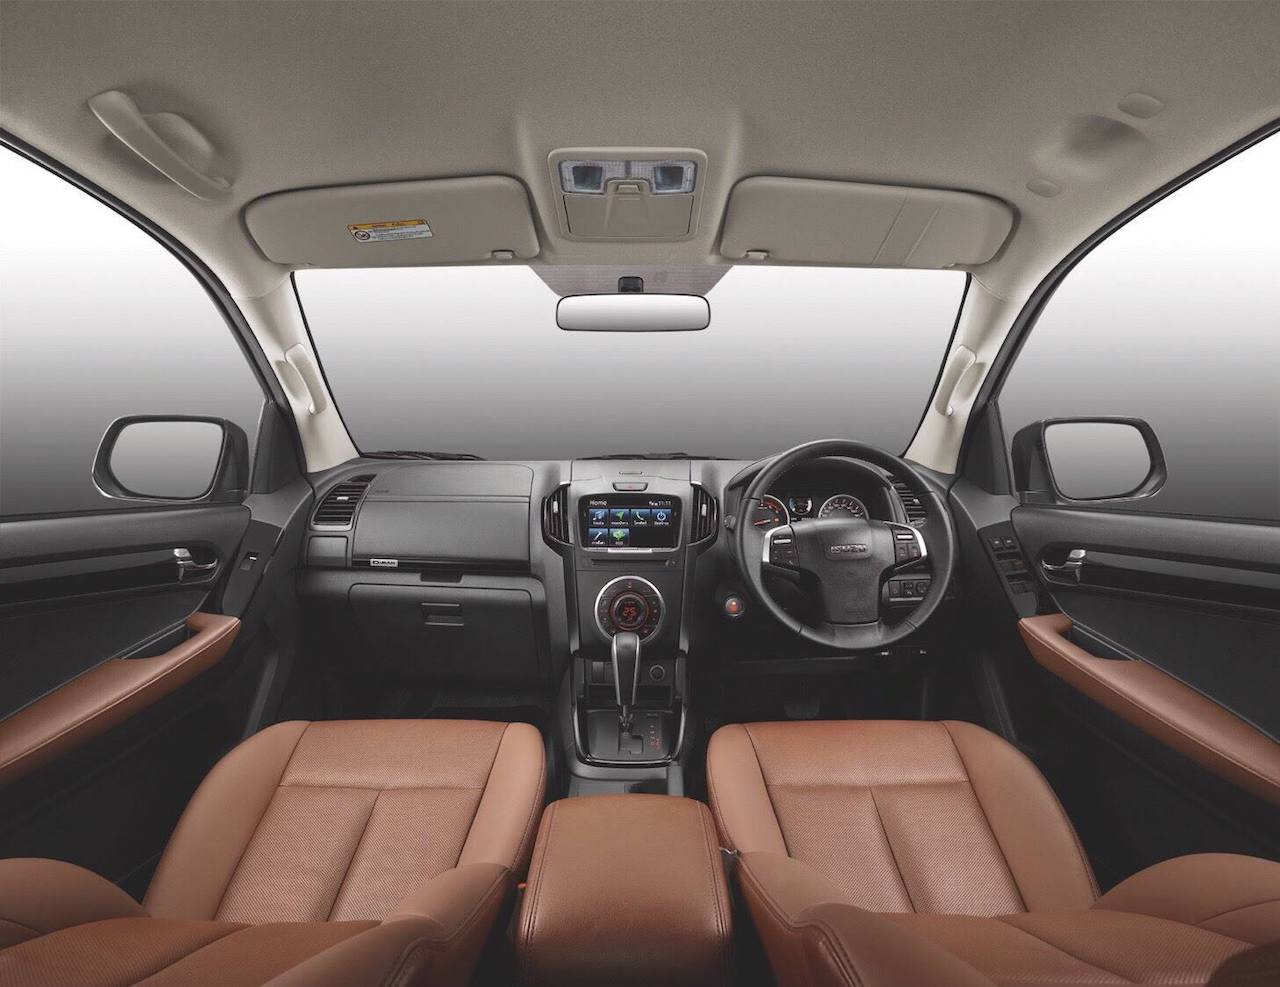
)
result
[(623, 890)]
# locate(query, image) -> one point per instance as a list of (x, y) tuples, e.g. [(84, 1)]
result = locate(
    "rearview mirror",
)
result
[(1088, 459), (633, 313), (176, 458)]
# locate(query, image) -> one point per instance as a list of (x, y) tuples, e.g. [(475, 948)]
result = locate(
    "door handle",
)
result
[(189, 568), (1069, 569)]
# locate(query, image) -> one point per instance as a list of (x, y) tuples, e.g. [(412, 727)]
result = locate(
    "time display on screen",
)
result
[(629, 522)]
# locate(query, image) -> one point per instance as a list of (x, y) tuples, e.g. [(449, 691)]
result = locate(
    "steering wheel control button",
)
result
[(629, 603), (780, 548)]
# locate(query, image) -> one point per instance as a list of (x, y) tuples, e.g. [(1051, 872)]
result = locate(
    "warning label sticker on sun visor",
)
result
[(397, 229)]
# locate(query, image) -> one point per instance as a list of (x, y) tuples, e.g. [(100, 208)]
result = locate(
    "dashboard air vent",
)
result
[(555, 517), (706, 515), (338, 508), (911, 503)]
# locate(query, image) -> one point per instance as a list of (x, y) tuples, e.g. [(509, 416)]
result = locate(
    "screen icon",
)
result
[(619, 537), (661, 515), (619, 515), (640, 517), (597, 517), (598, 537)]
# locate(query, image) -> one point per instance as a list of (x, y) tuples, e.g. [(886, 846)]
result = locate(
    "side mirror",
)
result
[(173, 458), (627, 312), (1085, 460)]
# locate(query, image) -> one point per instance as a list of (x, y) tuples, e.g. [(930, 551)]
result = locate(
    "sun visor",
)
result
[(808, 221), (397, 224)]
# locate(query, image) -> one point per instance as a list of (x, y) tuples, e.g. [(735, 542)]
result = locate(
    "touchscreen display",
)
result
[(630, 521)]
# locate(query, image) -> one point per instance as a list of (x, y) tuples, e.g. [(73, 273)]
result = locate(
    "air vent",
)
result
[(911, 503), (555, 517), (338, 509), (705, 515)]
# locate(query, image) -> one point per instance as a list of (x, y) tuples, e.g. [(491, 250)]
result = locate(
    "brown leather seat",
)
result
[(913, 854), (361, 852)]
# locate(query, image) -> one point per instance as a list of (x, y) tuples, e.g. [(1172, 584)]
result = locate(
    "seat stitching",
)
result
[(825, 932), (995, 838), (713, 861), (1236, 908), (768, 791), (258, 825), (1065, 952), (847, 785), (238, 927), (1087, 867), (535, 893), (352, 859), (884, 830), (386, 788), (487, 779), (533, 812), (425, 943)]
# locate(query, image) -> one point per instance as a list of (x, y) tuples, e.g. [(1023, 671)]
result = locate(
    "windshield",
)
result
[(469, 360)]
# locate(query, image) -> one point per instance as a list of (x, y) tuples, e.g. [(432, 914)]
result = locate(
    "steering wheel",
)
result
[(841, 564)]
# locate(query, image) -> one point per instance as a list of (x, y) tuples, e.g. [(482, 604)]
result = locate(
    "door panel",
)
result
[(1197, 599), (104, 589), (108, 694), (1161, 706)]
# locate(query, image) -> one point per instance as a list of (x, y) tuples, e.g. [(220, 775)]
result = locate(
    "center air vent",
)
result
[(705, 516), (555, 517), (911, 503), (338, 508)]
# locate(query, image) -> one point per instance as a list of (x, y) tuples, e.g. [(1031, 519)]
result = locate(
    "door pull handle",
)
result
[(1070, 569), (189, 568)]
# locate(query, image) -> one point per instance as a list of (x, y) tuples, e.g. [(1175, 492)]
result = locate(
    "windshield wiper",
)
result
[(650, 455), (414, 454)]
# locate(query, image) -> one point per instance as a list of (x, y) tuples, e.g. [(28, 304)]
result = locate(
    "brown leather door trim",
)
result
[(107, 695), (1161, 706)]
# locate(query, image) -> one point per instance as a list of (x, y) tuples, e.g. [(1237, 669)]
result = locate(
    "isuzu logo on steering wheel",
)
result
[(854, 550)]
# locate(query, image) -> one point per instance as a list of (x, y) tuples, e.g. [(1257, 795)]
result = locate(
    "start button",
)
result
[(734, 606)]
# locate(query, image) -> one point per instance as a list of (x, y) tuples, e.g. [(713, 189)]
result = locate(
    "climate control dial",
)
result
[(629, 603)]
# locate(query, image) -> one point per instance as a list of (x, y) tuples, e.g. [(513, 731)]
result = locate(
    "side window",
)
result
[(97, 321), (1175, 319)]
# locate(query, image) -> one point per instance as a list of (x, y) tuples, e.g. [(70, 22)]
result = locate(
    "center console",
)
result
[(625, 890), (628, 531)]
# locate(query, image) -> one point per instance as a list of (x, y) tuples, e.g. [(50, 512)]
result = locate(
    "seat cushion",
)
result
[(338, 821), (814, 939), (942, 818), (314, 853)]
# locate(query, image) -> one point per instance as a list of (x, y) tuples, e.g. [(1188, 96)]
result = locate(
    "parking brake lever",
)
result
[(626, 672)]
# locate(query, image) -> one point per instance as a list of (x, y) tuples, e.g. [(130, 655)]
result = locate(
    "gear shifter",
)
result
[(626, 672)]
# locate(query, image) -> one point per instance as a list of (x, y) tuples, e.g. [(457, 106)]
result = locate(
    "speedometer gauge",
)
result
[(843, 505), (770, 513)]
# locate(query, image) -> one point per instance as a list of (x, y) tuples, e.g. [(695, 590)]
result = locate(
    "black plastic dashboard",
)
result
[(503, 572)]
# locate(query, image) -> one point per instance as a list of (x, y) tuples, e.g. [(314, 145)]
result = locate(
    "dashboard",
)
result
[(502, 571)]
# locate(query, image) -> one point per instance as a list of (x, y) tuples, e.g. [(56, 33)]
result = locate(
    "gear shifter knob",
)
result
[(626, 672)]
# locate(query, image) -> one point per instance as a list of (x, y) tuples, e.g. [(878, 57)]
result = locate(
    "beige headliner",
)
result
[(978, 96)]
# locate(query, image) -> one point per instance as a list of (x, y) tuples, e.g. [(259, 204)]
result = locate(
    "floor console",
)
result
[(623, 890)]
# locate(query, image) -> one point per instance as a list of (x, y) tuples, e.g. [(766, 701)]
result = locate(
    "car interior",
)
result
[(711, 493)]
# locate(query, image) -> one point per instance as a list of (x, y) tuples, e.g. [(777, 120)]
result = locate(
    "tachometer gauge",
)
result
[(771, 513), (843, 505)]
